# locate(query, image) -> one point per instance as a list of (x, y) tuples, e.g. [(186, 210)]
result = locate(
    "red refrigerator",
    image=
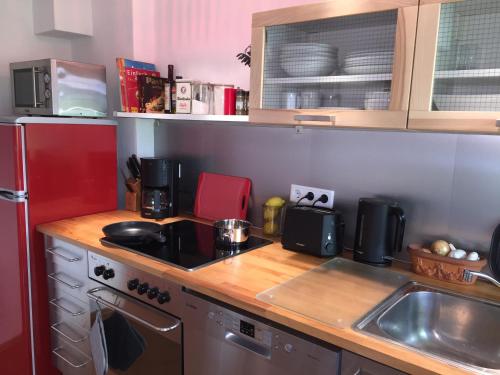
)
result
[(50, 169)]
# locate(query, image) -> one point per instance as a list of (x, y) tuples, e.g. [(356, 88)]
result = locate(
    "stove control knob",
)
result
[(108, 274), (132, 284), (142, 288), (288, 348), (99, 270), (163, 297), (153, 292)]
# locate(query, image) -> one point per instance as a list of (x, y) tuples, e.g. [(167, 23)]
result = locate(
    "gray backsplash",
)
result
[(448, 184)]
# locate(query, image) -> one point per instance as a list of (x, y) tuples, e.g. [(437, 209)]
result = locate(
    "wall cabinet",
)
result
[(338, 63), (456, 77), (373, 64)]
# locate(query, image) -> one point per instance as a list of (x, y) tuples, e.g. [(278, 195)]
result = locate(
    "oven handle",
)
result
[(92, 295)]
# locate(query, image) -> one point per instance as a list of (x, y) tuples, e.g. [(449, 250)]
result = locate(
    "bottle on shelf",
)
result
[(169, 89), (174, 95)]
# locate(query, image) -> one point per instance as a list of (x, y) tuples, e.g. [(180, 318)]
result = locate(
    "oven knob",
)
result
[(163, 297), (46, 77), (47, 94), (143, 288), (132, 284), (288, 348), (153, 292), (108, 274), (99, 270)]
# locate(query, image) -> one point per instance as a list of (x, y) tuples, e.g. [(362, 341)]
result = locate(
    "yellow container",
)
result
[(272, 219)]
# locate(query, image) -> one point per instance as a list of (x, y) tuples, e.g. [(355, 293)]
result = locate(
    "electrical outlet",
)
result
[(298, 191)]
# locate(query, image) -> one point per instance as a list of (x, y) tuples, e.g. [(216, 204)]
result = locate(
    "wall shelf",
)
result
[(470, 73), (181, 117), (330, 79)]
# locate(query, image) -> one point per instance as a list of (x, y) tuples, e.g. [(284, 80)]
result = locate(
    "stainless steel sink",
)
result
[(461, 330)]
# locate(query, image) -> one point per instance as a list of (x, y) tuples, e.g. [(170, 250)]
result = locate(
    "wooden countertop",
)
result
[(238, 280)]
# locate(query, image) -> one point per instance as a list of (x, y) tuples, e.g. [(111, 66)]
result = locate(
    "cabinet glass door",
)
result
[(467, 74), (348, 62), (456, 82), (343, 62)]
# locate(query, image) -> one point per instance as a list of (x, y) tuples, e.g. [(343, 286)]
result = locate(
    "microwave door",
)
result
[(29, 90)]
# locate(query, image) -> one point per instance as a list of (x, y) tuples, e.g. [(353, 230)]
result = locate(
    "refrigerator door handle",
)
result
[(13, 196)]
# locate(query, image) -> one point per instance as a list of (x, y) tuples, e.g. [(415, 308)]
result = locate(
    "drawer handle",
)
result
[(57, 350), (74, 340), (52, 250), (498, 123), (55, 302), (322, 118), (73, 284)]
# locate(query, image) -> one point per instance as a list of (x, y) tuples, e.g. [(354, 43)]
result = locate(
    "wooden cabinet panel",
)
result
[(350, 63)]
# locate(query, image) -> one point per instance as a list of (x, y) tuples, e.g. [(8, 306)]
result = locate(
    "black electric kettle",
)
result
[(380, 229)]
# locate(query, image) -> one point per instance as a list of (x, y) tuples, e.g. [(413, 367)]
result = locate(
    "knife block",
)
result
[(133, 198)]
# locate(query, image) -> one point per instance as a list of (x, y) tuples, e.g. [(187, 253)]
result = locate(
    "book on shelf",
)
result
[(151, 94), (128, 70)]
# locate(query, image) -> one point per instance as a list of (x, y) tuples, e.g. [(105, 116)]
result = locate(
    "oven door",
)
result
[(31, 87), (139, 339)]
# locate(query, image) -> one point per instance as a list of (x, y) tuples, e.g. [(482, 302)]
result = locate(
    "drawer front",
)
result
[(70, 361), (76, 337), (62, 280), (65, 308), (66, 254)]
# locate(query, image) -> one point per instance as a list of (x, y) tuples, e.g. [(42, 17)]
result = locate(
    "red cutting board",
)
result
[(222, 197)]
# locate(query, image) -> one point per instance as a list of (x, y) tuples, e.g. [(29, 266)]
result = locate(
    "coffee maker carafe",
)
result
[(160, 187), (379, 231)]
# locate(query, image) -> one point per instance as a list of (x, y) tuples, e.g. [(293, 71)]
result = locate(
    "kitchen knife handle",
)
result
[(400, 228)]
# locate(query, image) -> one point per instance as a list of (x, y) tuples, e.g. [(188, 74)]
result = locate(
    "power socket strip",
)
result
[(298, 191)]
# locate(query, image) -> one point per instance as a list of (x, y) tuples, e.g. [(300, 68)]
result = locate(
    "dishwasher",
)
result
[(221, 340)]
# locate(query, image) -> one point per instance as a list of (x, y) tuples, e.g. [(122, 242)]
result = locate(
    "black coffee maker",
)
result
[(379, 231), (160, 187)]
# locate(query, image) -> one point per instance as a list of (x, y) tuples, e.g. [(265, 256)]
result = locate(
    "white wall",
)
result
[(200, 37), (19, 43), (113, 35)]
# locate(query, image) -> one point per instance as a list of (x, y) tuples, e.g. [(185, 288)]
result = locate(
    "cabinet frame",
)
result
[(421, 116), (394, 118)]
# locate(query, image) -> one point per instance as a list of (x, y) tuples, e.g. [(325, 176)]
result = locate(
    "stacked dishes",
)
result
[(308, 59), (368, 62)]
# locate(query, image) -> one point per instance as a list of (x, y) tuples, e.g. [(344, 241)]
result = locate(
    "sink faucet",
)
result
[(468, 275)]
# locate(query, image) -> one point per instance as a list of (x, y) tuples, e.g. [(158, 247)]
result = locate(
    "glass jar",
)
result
[(272, 219)]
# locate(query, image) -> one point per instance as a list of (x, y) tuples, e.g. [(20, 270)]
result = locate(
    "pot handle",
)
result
[(400, 228)]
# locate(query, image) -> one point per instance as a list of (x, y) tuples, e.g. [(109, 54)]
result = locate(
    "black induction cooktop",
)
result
[(189, 245)]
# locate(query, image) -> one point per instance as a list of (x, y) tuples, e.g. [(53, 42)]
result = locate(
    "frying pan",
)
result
[(134, 231), (494, 257)]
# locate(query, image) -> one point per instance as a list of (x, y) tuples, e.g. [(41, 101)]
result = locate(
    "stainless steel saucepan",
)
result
[(232, 231)]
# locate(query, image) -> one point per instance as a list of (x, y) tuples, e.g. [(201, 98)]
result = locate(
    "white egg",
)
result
[(457, 254), (452, 247), (473, 255)]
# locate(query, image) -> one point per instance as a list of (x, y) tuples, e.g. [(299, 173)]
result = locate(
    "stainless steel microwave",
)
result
[(54, 87)]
